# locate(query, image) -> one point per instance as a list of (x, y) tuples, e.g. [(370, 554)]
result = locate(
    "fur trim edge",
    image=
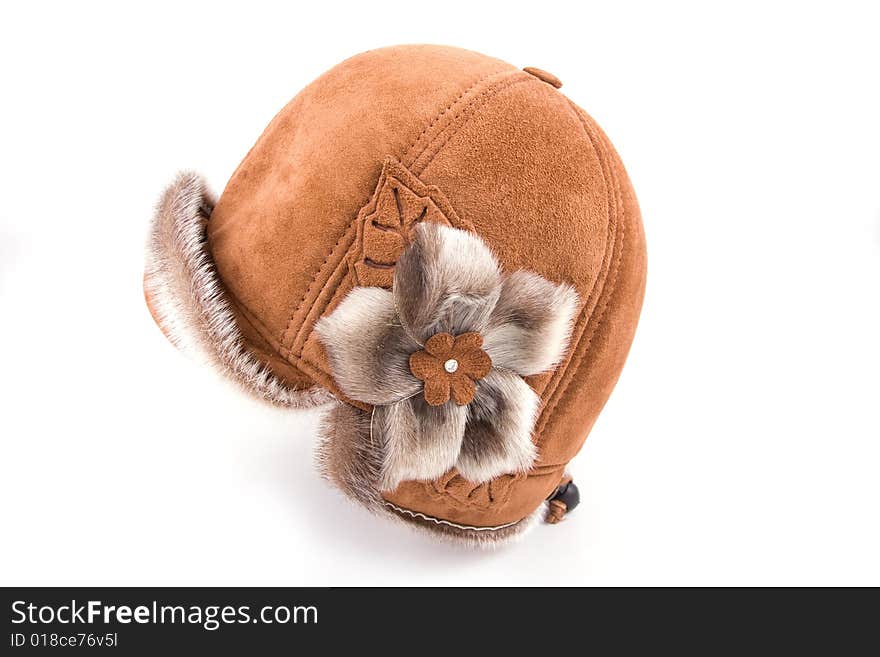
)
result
[(189, 300)]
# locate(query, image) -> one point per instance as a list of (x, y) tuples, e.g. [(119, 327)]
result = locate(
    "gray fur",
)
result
[(190, 301), (368, 348), (498, 435), (531, 324), (447, 280), (347, 456), (421, 442)]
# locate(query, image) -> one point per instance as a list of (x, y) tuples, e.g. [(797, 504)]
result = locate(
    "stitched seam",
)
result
[(558, 395), (332, 285), (589, 306), (443, 112), (308, 291), (246, 314), (470, 110), (438, 521), (618, 249), (251, 318), (601, 303), (591, 301)]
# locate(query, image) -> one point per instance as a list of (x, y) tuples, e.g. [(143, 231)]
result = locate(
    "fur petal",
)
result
[(368, 348), (421, 441), (190, 302), (498, 435), (447, 280), (531, 325)]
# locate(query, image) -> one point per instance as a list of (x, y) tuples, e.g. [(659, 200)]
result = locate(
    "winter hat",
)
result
[(442, 249)]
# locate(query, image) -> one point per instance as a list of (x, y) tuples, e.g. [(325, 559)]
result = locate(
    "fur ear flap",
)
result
[(189, 302), (350, 455)]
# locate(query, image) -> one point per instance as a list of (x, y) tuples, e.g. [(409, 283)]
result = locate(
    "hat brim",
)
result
[(189, 302)]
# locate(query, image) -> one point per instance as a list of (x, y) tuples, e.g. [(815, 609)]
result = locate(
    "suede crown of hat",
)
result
[(443, 251)]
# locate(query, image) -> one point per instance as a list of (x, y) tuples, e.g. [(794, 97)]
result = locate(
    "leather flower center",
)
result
[(450, 366)]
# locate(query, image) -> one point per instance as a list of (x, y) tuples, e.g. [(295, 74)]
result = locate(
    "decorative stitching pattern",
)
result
[(400, 202), (438, 521), (447, 108), (309, 291), (467, 112)]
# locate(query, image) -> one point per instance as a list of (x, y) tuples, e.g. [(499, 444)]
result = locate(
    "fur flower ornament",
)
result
[(441, 357)]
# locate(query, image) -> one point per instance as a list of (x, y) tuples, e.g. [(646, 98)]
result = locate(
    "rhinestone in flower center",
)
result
[(450, 365)]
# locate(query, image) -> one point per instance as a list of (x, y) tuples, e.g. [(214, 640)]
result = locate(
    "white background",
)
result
[(741, 444)]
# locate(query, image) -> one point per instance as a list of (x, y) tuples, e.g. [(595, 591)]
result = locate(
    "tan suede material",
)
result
[(326, 197)]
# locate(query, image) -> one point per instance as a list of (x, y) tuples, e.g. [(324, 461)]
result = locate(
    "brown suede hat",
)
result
[(442, 248)]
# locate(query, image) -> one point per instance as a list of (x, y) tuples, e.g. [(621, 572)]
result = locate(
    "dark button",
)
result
[(568, 494), (544, 76)]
